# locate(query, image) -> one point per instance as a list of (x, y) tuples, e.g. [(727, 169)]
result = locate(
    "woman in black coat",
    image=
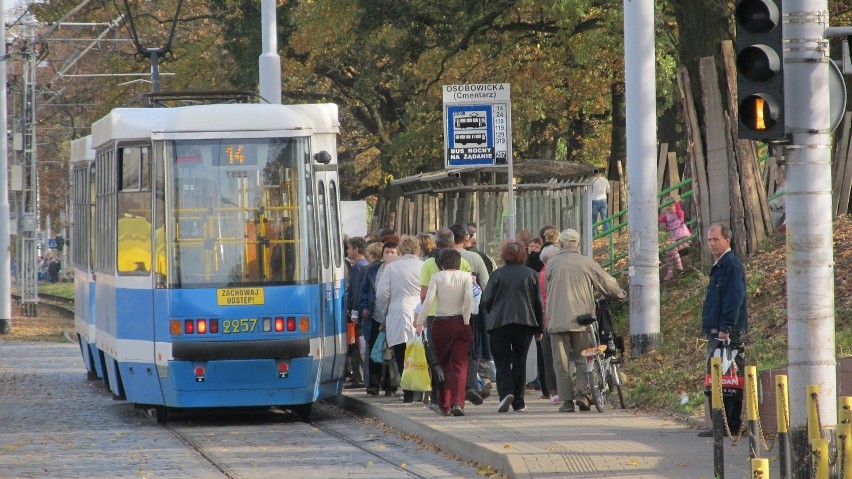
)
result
[(515, 316)]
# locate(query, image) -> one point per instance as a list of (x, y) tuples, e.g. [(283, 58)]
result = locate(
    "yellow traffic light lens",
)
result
[(759, 123), (759, 113)]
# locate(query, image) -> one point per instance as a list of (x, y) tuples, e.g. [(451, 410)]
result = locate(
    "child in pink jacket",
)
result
[(673, 218)]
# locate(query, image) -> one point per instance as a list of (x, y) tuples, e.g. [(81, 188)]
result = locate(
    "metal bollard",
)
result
[(844, 437), (751, 411), (782, 412), (760, 468), (718, 413), (811, 399), (819, 457)]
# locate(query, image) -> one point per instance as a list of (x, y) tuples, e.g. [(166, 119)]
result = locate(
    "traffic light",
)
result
[(60, 242), (760, 74)]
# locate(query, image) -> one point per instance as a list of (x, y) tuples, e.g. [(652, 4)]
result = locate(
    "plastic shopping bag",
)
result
[(415, 373), (377, 354), (733, 362)]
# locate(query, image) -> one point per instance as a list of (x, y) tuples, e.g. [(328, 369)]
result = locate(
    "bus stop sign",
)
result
[(477, 125)]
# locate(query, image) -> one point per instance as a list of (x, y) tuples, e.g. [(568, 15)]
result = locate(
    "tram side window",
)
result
[(105, 217), (82, 215), (134, 210), (335, 223)]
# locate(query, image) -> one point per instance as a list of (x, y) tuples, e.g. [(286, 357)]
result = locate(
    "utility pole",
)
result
[(641, 94), (810, 248), (29, 219), (5, 261)]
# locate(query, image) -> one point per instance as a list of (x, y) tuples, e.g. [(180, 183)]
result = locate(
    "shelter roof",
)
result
[(531, 174)]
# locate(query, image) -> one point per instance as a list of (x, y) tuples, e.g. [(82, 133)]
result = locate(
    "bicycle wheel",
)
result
[(596, 386), (614, 380)]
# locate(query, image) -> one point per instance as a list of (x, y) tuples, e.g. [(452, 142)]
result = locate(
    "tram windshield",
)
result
[(235, 214)]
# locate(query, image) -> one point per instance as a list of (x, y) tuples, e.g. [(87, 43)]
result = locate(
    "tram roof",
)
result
[(140, 123)]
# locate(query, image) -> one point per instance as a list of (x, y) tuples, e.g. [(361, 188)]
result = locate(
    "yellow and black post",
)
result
[(819, 446), (844, 436), (760, 468), (751, 412), (819, 455), (718, 414), (782, 414)]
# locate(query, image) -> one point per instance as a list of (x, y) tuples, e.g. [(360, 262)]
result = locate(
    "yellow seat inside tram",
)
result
[(134, 245)]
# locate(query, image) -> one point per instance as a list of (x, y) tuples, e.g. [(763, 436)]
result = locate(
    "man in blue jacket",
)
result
[(725, 313)]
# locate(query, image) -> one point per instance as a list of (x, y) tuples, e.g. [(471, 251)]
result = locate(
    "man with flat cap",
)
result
[(572, 281)]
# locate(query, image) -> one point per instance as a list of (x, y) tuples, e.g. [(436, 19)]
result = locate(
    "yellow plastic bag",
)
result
[(415, 372)]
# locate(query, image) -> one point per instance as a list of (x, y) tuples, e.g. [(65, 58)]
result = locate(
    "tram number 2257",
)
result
[(244, 325)]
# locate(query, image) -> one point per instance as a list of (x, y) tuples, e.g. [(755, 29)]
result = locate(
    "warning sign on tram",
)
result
[(477, 125)]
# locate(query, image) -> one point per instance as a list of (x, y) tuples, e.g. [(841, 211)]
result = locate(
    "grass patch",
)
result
[(672, 377), (66, 290)]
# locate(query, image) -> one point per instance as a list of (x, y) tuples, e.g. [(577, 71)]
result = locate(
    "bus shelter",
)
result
[(546, 193)]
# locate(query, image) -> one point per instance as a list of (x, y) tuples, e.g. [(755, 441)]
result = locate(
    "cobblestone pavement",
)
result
[(54, 423)]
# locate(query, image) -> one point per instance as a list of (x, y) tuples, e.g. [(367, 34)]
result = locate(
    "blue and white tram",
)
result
[(82, 174), (218, 255)]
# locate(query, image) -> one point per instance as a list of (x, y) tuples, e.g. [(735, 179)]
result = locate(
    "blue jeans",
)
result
[(599, 208)]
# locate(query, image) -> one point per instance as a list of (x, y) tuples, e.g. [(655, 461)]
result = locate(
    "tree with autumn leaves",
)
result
[(384, 62)]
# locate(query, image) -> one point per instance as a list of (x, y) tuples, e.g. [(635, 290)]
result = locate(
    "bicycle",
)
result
[(603, 361)]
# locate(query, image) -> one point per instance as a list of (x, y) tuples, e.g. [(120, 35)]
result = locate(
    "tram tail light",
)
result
[(304, 324), (189, 326), (200, 374), (283, 369), (174, 327), (214, 326), (201, 326), (279, 325), (291, 324)]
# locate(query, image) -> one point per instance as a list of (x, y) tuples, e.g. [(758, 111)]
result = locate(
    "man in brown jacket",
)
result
[(572, 282)]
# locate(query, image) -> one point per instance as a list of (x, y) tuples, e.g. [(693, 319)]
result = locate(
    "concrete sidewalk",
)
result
[(544, 443)]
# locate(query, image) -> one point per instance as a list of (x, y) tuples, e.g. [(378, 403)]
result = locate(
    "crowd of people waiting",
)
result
[(405, 286)]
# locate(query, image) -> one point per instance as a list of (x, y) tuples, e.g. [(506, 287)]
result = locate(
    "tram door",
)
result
[(331, 267)]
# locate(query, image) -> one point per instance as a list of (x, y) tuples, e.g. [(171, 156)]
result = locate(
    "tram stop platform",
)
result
[(544, 443)]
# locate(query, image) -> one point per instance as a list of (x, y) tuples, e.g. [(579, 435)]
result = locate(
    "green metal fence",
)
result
[(613, 256)]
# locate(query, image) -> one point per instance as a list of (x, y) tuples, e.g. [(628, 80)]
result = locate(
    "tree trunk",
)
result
[(618, 140), (702, 27)]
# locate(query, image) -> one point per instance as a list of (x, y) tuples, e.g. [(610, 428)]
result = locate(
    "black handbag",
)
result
[(586, 319), (437, 372)]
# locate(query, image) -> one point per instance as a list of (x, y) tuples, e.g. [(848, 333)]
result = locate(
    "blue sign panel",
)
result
[(470, 136), (477, 125)]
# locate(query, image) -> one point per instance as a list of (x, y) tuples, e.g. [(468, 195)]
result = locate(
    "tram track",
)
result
[(353, 443), (59, 304), (212, 437)]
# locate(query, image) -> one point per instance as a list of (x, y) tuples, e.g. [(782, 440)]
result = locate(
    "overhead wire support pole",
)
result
[(5, 259), (809, 219), (29, 223), (642, 175)]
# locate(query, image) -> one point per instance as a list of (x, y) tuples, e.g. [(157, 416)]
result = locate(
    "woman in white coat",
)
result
[(397, 294)]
